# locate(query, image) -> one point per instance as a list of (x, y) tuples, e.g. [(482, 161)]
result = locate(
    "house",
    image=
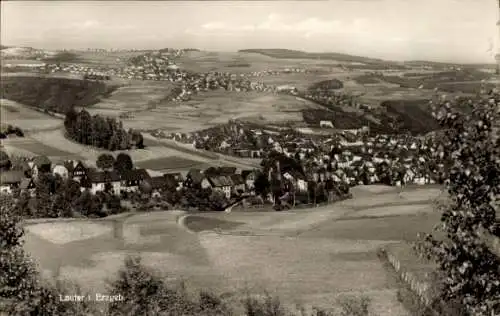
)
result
[(194, 178), (221, 183), (238, 183), (22, 166), (249, 177), (174, 180), (10, 180), (130, 179), (79, 171), (28, 185), (328, 124), (171, 183), (103, 181), (40, 164), (158, 183), (227, 171), (61, 170), (297, 179)]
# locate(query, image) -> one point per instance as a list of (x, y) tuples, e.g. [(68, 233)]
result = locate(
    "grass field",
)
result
[(166, 163), (217, 107), (134, 96), (108, 59), (39, 148), (29, 147), (241, 62), (27, 119), (335, 254)]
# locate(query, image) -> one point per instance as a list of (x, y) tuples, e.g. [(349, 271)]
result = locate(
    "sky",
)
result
[(439, 30)]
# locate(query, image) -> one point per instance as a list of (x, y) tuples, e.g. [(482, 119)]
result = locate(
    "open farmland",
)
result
[(217, 107), (37, 148), (246, 62), (27, 119), (108, 59), (133, 97), (169, 163), (342, 241), (56, 139)]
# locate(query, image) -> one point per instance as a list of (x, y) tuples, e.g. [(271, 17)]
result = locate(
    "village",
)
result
[(350, 156), (315, 167)]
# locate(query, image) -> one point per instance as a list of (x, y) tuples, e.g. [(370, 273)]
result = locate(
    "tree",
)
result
[(471, 274), (5, 163), (217, 200), (123, 163), (145, 188), (262, 185), (105, 161), (136, 138)]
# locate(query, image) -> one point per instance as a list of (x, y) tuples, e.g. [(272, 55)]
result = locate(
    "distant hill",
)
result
[(296, 54), (437, 64), (3, 47), (24, 52)]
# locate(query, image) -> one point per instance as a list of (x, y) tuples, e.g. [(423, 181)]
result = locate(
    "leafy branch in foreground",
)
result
[(471, 271)]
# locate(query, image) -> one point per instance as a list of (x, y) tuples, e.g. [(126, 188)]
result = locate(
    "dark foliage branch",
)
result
[(470, 269)]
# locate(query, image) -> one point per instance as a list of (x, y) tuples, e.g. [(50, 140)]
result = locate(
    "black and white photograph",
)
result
[(250, 158)]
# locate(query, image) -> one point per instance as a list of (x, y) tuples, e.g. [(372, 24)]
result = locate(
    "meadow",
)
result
[(245, 62), (211, 108), (27, 119), (169, 163), (251, 251)]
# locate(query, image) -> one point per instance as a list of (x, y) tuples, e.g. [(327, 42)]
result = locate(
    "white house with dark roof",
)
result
[(60, 170)]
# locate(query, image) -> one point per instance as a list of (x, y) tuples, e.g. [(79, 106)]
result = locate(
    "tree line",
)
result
[(101, 132)]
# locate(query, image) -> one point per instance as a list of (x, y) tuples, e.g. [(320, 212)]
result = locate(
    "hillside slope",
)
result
[(296, 54), (53, 94)]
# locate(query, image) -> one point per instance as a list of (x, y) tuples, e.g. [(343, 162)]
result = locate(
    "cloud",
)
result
[(94, 25), (214, 26), (278, 23), (88, 24)]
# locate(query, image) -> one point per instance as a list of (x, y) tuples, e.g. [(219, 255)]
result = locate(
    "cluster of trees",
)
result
[(278, 186), (409, 116), (57, 197), (326, 86), (96, 77), (54, 94), (5, 162), (9, 130), (100, 132)]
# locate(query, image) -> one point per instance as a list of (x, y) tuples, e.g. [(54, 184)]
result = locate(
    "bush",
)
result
[(145, 293), (354, 306), (266, 306), (20, 282)]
